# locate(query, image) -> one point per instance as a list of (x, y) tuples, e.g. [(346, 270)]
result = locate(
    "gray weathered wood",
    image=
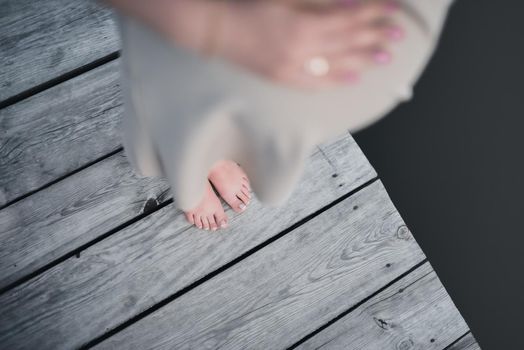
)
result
[(286, 290), (70, 213), (133, 269), (268, 300), (59, 130), (413, 313), (58, 219), (40, 40), (466, 343)]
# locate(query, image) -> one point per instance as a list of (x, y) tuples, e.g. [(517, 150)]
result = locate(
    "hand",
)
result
[(277, 39)]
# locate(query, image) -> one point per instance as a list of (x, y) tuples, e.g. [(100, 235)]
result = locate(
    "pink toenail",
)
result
[(395, 33), (381, 57), (242, 206), (223, 224)]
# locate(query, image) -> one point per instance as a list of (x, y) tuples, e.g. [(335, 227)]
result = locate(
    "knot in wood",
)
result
[(405, 344), (403, 233), (381, 323), (150, 205)]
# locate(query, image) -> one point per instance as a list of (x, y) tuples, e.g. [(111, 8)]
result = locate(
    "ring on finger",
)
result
[(317, 66)]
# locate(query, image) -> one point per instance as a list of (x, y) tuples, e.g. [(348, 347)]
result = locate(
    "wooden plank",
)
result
[(140, 265), (337, 159), (286, 290), (41, 40), (80, 208), (70, 213), (413, 313), (466, 343), (59, 130)]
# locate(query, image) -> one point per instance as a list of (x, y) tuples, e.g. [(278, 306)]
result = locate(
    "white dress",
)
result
[(184, 111)]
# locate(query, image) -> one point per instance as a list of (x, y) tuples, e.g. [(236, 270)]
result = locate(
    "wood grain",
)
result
[(58, 131), (76, 210), (80, 208), (289, 288), (137, 267), (413, 313), (466, 343), (40, 40)]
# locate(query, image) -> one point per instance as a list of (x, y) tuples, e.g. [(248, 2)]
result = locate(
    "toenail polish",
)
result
[(242, 206)]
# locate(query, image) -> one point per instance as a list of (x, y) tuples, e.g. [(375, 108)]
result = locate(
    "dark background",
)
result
[(452, 161)]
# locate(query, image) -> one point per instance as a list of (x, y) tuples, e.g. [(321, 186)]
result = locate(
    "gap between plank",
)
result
[(343, 314), (60, 178), (221, 269), (58, 80), (84, 246), (457, 340)]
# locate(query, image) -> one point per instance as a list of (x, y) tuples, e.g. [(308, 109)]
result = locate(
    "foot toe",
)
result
[(205, 223), (198, 222), (243, 198), (189, 217), (246, 193), (212, 223), (246, 187), (221, 220), (235, 203)]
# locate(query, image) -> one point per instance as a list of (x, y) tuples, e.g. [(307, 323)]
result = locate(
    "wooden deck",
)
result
[(93, 256)]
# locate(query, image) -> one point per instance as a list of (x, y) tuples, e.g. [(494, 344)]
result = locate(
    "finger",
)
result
[(371, 12), (355, 61), (361, 37), (345, 68), (303, 80), (335, 18), (349, 67)]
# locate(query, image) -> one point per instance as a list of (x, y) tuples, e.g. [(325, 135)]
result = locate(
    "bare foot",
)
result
[(232, 184), (209, 213)]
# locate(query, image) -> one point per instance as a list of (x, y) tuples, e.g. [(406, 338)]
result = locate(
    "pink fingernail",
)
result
[(382, 57), (395, 33), (391, 6)]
